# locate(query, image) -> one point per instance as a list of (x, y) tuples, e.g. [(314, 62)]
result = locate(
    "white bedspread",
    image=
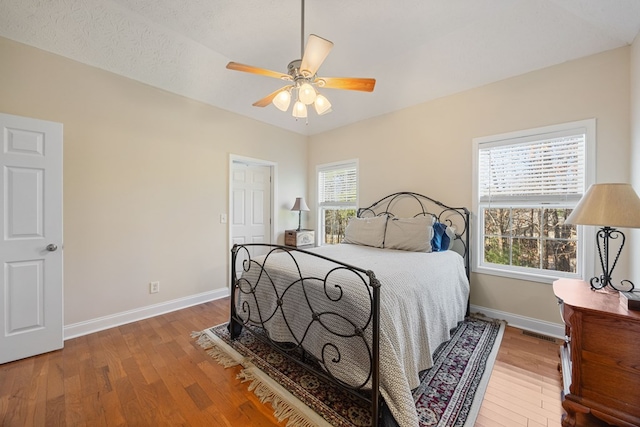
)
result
[(423, 297)]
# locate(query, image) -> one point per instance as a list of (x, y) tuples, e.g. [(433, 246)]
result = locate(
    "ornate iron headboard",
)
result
[(450, 216)]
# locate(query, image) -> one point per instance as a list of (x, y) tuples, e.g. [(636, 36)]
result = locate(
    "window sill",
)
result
[(531, 277)]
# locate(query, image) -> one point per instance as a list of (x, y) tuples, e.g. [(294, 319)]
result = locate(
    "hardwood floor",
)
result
[(525, 385), (152, 373)]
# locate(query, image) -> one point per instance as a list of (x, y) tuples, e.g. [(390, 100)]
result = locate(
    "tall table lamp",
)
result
[(608, 206), (300, 206)]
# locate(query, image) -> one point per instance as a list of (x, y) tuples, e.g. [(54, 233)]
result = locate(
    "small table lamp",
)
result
[(608, 205), (300, 206)]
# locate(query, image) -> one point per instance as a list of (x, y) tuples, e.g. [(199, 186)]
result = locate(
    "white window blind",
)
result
[(548, 166), (338, 185), (525, 184)]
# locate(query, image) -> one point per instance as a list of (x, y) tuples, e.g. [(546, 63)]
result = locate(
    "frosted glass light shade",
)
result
[(609, 205), (282, 100), (307, 94), (299, 110), (322, 105)]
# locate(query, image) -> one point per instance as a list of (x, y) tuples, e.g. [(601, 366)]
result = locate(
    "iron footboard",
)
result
[(259, 300)]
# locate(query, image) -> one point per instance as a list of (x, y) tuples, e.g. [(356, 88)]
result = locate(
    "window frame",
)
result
[(585, 236), (333, 205)]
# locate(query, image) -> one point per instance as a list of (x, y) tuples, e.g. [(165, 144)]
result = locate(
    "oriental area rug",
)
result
[(450, 393)]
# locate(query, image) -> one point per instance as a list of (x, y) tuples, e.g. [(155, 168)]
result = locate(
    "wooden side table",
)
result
[(300, 238), (600, 358)]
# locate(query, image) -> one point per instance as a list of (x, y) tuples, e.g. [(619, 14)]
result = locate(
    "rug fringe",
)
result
[(281, 408), (222, 358), (484, 317), (214, 351)]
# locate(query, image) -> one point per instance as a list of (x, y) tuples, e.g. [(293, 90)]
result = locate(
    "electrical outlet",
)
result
[(154, 287)]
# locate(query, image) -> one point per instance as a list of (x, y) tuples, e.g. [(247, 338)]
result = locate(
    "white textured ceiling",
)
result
[(417, 50)]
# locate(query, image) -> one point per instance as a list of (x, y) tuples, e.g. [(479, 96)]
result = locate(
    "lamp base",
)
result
[(602, 239), (605, 285)]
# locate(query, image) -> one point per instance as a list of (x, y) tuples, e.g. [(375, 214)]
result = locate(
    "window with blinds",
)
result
[(337, 199), (526, 185), (549, 168), (338, 185)]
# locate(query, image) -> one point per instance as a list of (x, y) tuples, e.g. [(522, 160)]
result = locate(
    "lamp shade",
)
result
[(610, 205), (299, 110), (306, 94), (300, 205), (282, 100), (322, 105)]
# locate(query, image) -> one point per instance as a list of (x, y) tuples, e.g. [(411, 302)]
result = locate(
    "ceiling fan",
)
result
[(303, 80)]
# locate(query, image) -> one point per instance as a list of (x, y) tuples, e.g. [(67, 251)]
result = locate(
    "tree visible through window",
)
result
[(532, 237), (337, 199), (526, 185), (335, 222)]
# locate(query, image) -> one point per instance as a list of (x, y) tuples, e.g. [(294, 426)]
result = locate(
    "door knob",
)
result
[(51, 247)]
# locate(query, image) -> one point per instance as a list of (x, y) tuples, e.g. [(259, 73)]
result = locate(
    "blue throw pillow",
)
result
[(441, 240)]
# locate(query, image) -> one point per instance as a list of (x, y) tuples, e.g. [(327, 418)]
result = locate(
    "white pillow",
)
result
[(365, 231), (438, 241), (451, 232), (409, 234)]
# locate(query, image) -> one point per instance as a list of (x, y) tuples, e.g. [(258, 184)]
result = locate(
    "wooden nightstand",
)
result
[(600, 357), (300, 238)]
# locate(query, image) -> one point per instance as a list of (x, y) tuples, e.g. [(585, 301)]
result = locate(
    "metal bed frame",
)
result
[(331, 354)]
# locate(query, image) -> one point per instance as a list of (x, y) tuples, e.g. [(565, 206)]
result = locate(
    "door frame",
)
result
[(234, 158)]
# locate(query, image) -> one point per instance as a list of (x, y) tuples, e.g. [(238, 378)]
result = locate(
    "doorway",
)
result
[(251, 202)]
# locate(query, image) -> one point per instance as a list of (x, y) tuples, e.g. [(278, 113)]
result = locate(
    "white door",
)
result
[(251, 205), (31, 245)]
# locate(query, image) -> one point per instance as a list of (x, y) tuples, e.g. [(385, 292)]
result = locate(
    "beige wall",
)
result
[(146, 171), (145, 180), (635, 152), (427, 148)]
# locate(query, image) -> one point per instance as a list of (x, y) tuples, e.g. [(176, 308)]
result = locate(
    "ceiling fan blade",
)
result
[(315, 53), (267, 99), (255, 70), (347, 83)]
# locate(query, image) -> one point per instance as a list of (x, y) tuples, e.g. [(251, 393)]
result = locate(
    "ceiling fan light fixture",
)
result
[(282, 100), (322, 105), (299, 110), (307, 93), (303, 80)]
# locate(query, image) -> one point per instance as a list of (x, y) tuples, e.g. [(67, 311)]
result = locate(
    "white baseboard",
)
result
[(555, 330), (79, 329)]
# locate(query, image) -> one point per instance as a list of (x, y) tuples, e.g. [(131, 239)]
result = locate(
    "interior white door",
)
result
[(31, 247), (251, 205)]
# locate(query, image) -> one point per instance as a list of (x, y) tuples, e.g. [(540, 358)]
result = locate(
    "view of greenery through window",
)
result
[(530, 237), (335, 222), (337, 199)]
